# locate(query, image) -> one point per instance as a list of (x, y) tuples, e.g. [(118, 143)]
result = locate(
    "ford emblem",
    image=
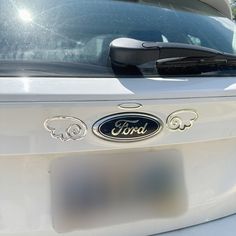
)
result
[(127, 127)]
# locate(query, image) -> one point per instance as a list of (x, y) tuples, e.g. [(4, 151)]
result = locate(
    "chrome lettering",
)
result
[(127, 127)]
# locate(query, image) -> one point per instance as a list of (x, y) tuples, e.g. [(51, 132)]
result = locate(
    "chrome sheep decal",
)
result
[(66, 128), (181, 120)]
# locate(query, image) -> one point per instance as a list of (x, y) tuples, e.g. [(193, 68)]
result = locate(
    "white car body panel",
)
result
[(27, 148), (113, 89)]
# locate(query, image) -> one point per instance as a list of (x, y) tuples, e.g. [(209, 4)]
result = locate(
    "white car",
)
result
[(117, 118)]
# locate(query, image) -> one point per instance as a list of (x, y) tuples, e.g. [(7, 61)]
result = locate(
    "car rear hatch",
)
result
[(55, 180)]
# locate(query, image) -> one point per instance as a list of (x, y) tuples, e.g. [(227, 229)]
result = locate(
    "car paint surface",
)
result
[(204, 139), (27, 148)]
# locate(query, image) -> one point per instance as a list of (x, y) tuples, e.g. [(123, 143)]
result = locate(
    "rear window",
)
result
[(76, 34)]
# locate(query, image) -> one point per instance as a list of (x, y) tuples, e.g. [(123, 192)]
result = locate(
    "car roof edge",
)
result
[(223, 6)]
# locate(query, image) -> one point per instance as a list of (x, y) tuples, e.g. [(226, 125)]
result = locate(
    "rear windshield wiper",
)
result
[(195, 65), (170, 58)]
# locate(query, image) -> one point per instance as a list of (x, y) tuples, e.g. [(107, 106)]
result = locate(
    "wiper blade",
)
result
[(195, 65), (132, 52)]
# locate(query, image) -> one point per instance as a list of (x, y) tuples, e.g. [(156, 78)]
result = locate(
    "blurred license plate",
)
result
[(98, 190)]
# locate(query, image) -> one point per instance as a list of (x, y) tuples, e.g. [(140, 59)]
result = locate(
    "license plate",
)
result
[(110, 188)]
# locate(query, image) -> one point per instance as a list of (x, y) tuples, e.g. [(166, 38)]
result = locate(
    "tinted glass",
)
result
[(78, 32)]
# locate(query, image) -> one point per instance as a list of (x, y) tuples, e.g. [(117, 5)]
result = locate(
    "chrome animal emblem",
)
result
[(66, 128), (181, 120), (127, 127)]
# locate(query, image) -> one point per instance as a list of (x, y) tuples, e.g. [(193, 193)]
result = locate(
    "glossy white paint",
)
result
[(22, 124), (27, 149), (210, 183), (113, 89), (224, 226)]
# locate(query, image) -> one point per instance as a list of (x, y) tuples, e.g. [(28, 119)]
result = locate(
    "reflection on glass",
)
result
[(25, 15)]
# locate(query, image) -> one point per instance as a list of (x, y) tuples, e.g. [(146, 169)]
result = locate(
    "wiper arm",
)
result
[(131, 52)]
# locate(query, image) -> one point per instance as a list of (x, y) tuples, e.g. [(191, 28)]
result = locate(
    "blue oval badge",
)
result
[(128, 127)]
